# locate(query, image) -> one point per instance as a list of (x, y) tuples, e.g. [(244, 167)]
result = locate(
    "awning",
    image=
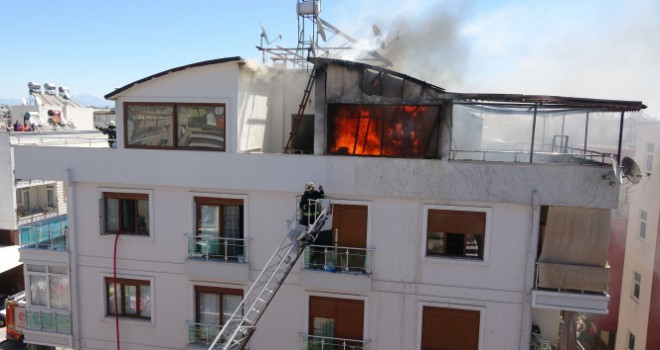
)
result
[(9, 258)]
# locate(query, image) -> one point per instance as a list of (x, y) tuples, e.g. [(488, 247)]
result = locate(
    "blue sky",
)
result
[(584, 48)]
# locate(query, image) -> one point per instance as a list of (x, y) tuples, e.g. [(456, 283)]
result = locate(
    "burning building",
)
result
[(452, 211)]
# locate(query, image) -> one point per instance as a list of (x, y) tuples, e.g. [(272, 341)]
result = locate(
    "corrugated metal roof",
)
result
[(56, 101)]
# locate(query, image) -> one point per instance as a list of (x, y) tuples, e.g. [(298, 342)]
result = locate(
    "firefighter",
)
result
[(309, 206)]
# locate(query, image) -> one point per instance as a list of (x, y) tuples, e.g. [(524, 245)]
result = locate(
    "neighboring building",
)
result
[(639, 311), (52, 109), (452, 213)]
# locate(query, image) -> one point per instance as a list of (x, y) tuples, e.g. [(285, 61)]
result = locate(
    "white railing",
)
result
[(59, 139), (338, 259), (315, 342), (218, 248)]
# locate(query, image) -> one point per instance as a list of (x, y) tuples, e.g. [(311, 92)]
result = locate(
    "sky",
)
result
[(582, 48)]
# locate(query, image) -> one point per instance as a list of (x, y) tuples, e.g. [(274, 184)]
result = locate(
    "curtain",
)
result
[(59, 292), (577, 236), (209, 308), (229, 305), (38, 290)]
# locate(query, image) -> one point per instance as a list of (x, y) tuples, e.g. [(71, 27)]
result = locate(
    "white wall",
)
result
[(640, 253), (402, 280), (7, 192)]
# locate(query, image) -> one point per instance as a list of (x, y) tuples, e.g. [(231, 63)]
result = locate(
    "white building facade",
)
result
[(431, 245)]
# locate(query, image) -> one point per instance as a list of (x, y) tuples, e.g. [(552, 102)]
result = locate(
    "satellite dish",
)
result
[(631, 170)]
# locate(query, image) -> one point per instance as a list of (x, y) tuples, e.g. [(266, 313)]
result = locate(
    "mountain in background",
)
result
[(85, 99)]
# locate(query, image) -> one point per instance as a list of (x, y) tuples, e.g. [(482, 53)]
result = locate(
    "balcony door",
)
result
[(336, 321)]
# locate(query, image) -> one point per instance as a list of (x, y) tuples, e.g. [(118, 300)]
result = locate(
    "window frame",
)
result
[(643, 224), (46, 273), (174, 134), (221, 199), (636, 290), (126, 194), (630, 340), (650, 154), (485, 244), (108, 281), (221, 291), (365, 310)]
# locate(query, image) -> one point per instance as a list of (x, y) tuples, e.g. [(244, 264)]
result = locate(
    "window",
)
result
[(49, 286), (133, 298), (445, 328), (335, 318), (631, 341), (642, 224), (649, 157), (177, 126), (50, 194), (219, 227), (214, 306), (125, 213), (390, 131), (456, 234), (637, 284)]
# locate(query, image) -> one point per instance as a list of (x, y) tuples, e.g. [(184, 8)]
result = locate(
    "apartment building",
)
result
[(640, 282), (459, 220)]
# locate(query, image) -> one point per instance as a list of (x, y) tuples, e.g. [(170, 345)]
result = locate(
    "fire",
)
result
[(394, 131)]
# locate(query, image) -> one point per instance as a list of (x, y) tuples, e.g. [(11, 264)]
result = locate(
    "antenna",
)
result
[(631, 170)]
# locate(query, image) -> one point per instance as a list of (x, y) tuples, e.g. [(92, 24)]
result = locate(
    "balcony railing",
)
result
[(315, 342), (49, 321), (218, 248), (200, 333), (44, 237), (338, 259), (60, 139)]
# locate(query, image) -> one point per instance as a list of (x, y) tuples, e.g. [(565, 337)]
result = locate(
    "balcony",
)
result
[(202, 334), (215, 248), (49, 327), (49, 237), (315, 342), (571, 287), (334, 268), (338, 259), (217, 258)]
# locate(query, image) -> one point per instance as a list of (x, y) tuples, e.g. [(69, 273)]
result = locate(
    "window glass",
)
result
[(201, 126), (149, 125), (229, 304), (59, 292), (145, 301), (219, 228), (112, 214), (38, 290), (60, 270), (631, 341), (133, 298), (37, 268), (637, 282)]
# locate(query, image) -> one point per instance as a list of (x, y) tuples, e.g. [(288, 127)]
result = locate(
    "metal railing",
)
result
[(218, 248), (570, 156), (200, 333), (338, 259), (49, 321), (315, 342), (44, 237)]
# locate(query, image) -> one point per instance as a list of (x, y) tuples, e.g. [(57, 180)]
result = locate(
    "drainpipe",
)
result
[(526, 323), (73, 260)]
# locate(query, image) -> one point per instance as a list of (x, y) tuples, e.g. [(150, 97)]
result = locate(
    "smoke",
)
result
[(594, 49)]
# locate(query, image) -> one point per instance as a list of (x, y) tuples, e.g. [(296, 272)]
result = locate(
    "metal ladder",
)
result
[(301, 109), (236, 332)]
